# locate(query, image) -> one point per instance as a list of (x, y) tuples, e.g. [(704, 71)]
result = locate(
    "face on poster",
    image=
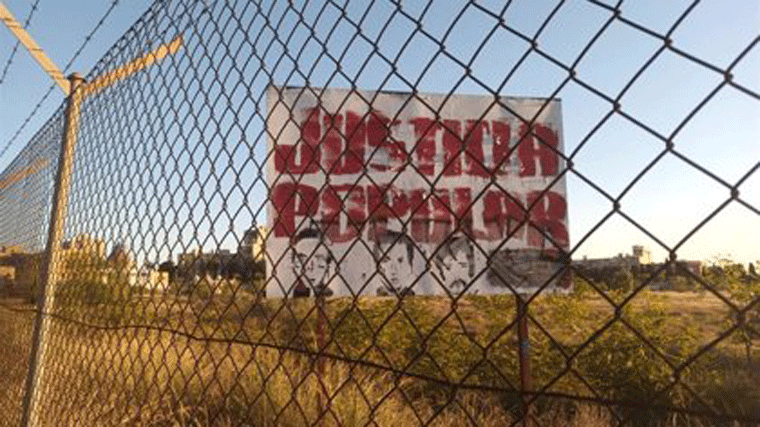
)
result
[(387, 193)]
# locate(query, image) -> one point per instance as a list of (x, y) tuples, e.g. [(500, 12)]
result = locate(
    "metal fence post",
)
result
[(49, 271)]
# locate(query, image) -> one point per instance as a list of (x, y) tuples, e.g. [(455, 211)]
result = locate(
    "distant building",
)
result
[(79, 258), (638, 263), (222, 268), (8, 264), (119, 255), (120, 266), (19, 271), (82, 259), (151, 279), (196, 267), (643, 255), (252, 244), (84, 243), (639, 256)]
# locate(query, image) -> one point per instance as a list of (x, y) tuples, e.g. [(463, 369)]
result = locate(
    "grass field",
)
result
[(190, 362), (15, 344)]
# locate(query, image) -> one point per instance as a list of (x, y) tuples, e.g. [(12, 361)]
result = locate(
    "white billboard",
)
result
[(387, 193)]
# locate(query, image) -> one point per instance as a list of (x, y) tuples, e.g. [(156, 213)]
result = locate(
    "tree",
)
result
[(82, 279), (169, 268)]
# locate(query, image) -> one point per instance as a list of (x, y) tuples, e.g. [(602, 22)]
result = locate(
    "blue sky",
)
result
[(669, 200)]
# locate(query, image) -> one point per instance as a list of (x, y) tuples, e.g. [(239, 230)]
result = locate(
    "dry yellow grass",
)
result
[(135, 376), (164, 379), (15, 339)]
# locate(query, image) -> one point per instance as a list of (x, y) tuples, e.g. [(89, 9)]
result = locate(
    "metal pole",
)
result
[(49, 271), (526, 377), (320, 301)]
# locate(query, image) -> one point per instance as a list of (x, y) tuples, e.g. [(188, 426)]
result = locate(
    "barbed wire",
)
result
[(66, 68), (27, 21)]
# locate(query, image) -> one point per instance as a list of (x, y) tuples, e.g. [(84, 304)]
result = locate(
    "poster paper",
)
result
[(386, 193)]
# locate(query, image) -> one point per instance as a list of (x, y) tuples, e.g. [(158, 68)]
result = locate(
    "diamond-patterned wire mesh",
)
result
[(26, 188), (176, 301)]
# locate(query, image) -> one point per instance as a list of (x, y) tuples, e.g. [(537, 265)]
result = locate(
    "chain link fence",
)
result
[(364, 213)]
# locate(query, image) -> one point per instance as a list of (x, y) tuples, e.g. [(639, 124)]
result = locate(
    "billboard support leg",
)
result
[(526, 377), (320, 301)]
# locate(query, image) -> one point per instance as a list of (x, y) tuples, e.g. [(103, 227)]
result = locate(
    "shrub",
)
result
[(622, 366)]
